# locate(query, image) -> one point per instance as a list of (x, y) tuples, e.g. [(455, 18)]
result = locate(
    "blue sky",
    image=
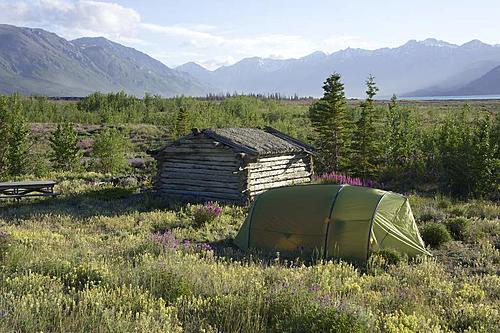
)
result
[(221, 32)]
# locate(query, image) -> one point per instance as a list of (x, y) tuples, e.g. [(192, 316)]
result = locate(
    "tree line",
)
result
[(460, 153), (18, 158), (454, 151)]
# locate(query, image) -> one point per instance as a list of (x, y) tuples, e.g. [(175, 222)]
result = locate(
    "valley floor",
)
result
[(100, 258)]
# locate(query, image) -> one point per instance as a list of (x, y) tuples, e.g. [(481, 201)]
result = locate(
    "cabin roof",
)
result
[(255, 141)]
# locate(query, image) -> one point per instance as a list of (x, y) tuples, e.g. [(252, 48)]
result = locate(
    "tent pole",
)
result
[(329, 217), (371, 226)]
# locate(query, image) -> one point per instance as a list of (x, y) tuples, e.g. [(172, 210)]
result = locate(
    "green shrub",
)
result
[(435, 234), (459, 228), (390, 256), (167, 285), (109, 150), (318, 320), (5, 241)]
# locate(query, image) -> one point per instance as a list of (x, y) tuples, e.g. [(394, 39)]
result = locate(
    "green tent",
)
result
[(339, 221)]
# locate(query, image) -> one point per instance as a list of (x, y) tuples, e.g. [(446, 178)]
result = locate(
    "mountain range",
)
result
[(34, 61), (417, 68)]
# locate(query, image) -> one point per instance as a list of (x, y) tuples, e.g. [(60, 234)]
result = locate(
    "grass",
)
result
[(104, 259)]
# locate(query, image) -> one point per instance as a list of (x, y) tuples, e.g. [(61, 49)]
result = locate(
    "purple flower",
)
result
[(314, 287), (339, 178), (205, 247), (207, 212), (167, 240), (3, 234)]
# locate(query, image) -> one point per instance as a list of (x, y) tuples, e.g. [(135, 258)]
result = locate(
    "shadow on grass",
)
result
[(102, 202)]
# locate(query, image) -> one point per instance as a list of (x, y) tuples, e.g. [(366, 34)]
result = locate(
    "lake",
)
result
[(451, 98)]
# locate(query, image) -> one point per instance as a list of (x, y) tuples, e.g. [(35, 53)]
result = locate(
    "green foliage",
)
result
[(3, 135), (412, 148), (459, 228), (435, 234), (468, 165), (5, 242), (182, 123), (18, 139), (110, 148), (401, 136), (366, 139), (331, 126), (66, 154), (390, 256)]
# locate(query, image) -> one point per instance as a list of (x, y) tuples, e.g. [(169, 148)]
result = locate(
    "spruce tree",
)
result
[(109, 150), (18, 140), (400, 136), (182, 122), (3, 135), (65, 154), (366, 141), (331, 126)]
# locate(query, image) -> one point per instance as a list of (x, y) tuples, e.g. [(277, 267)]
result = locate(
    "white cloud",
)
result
[(74, 18), (173, 44)]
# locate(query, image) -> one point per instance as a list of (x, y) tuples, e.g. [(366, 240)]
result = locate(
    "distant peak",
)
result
[(474, 43), (435, 42), (315, 55), (430, 42), (190, 65)]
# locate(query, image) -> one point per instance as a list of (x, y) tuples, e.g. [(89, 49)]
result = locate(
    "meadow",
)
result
[(101, 258), (108, 255)]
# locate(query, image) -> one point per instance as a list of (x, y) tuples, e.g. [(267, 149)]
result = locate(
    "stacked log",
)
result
[(269, 172), (203, 169)]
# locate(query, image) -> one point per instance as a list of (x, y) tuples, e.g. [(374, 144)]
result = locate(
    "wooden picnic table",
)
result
[(18, 190)]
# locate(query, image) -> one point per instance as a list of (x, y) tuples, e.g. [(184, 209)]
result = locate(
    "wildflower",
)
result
[(314, 287), (167, 240), (339, 178), (207, 213), (205, 247)]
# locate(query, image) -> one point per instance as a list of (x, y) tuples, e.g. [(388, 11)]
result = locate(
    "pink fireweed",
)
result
[(339, 178), (207, 213)]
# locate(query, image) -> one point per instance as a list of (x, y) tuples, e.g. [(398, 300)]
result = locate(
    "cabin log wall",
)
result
[(201, 168), (284, 170)]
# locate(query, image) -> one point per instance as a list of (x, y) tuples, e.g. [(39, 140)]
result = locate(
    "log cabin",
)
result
[(231, 164)]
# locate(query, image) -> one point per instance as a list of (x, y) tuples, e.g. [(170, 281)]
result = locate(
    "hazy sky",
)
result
[(219, 32)]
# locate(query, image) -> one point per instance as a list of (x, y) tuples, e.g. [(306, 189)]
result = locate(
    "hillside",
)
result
[(488, 84), (34, 61)]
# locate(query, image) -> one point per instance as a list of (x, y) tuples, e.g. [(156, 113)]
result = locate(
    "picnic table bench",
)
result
[(18, 190)]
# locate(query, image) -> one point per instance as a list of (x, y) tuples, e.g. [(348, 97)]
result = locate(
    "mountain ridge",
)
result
[(35, 61), (409, 67)]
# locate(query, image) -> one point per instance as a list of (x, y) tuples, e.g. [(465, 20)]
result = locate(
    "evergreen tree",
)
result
[(66, 154), (3, 134), (400, 133), (18, 140), (109, 150), (331, 126), (366, 140), (468, 166), (182, 122)]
